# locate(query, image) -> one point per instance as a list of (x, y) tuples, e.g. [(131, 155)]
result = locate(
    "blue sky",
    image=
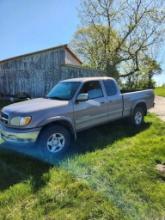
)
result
[(31, 25)]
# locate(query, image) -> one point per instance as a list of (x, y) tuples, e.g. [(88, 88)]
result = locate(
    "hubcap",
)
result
[(138, 118), (55, 142)]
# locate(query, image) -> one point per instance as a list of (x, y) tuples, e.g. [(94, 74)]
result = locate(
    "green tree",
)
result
[(95, 52), (116, 36), (152, 68), (144, 77)]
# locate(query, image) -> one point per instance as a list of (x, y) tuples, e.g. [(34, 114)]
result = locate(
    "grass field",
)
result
[(160, 91), (112, 176)]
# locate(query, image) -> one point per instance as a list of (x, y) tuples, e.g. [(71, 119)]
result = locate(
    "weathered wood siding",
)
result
[(70, 71), (35, 74), (69, 59)]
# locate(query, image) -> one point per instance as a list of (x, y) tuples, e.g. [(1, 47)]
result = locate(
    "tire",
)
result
[(137, 118), (55, 139)]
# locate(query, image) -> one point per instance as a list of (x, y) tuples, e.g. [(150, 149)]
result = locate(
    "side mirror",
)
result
[(82, 97)]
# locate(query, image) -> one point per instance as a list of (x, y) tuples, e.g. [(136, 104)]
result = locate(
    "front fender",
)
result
[(60, 119)]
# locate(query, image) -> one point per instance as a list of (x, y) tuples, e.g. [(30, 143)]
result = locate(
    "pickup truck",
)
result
[(71, 106)]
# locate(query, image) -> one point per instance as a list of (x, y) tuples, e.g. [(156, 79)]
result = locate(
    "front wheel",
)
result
[(55, 139), (137, 118)]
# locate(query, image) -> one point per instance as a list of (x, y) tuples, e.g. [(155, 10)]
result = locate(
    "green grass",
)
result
[(112, 176), (160, 91)]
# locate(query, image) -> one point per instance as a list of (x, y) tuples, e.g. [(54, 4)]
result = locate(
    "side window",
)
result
[(93, 88), (110, 87)]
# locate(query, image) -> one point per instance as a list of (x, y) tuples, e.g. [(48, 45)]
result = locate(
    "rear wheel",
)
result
[(55, 139), (137, 118)]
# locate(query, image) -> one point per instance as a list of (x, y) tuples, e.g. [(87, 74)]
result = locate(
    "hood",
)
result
[(34, 105)]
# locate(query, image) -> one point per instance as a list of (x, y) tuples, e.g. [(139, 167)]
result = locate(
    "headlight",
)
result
[(20, 121)]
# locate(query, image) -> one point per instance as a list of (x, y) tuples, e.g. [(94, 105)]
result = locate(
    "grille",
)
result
[(4, 118)]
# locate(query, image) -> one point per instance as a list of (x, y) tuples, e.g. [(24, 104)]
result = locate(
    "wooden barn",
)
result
[(36, 73)]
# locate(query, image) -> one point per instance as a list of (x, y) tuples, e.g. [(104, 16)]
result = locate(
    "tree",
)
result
[(94, 51), (117, 35), (144, 78), (152, 68)]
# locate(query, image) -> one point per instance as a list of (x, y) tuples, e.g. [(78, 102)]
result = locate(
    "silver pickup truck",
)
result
[(71, 106)]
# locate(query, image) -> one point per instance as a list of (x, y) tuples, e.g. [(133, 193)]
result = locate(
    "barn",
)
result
[(36, 73)]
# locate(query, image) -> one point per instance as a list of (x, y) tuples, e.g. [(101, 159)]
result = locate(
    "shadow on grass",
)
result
[(31, 162), (16, 168), (100, 137)]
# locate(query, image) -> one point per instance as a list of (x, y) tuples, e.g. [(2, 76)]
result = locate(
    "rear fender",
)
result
[(139, 103)]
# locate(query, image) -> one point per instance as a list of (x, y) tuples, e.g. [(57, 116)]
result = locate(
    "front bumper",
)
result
[(19, 136)]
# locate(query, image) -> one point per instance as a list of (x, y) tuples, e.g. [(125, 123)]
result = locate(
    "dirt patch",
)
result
[(159, 108), (161, 170)]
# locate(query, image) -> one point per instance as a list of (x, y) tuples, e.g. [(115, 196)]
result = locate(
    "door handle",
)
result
[(102, 102)]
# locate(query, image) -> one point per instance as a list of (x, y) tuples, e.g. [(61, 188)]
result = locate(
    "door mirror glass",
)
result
[(82, 97)]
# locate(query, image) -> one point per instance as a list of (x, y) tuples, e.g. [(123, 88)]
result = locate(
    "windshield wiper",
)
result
[(55, 97)]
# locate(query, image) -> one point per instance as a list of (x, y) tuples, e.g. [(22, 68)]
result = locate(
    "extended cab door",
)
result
[(114, 97), (94, 110)]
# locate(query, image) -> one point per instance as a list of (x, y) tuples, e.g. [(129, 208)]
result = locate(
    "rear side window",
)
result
[(110, 87), (93, 88)]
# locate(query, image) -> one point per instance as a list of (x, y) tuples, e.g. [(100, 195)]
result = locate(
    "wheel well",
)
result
[(62, 123), (142, 105)]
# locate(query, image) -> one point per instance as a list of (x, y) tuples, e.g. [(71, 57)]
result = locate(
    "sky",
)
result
[(31, 25)]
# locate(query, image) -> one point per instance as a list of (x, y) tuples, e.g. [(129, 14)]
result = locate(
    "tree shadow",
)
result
[(21, 163), (16, 168)]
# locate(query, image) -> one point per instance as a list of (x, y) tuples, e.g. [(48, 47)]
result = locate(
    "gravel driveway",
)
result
[(159, 108)]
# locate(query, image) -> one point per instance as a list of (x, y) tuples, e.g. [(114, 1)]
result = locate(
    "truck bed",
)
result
[(130, 99)]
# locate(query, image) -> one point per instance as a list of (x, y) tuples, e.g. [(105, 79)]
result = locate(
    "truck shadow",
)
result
[(18, 163), (101, 136)]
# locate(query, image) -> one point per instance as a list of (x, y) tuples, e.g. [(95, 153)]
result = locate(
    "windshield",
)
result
[(64, 90)]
